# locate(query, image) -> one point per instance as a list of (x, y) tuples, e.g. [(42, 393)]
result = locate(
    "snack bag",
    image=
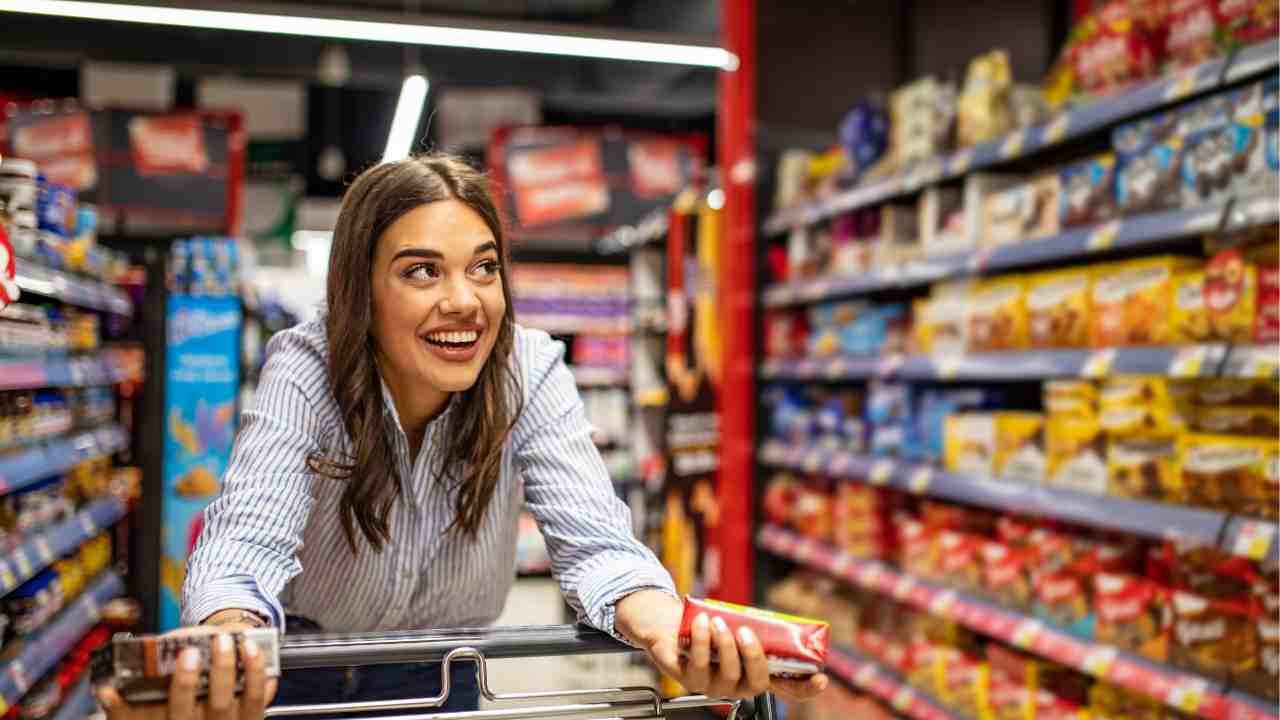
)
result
[(1058, 308), (997, 315), (1131, 301), (1193, 33), (1113, 50), (1228, 473), (1211, 637), (795, 646), (1130, 613)]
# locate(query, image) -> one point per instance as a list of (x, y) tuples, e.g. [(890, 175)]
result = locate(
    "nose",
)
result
[(459, 298)]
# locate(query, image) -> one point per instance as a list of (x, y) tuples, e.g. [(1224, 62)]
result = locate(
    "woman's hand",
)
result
[(221, 702), (651, 619)]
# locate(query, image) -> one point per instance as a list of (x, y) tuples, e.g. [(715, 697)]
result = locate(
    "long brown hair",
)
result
[(482, 416)]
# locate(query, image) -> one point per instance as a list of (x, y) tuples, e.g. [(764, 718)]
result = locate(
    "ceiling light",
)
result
[(408, 34), (404, 127)]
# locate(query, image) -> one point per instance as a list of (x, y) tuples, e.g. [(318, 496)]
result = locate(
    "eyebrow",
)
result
[(437, 255)]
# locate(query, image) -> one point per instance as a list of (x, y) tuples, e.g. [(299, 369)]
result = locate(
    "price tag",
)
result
[(840, 463), (836, 368), (818, 288), (1098, 661), (903, 698), (1056, 130), (1104, 236), (1254, 539), (91, 608), (24, 565), (804, 550), (1013, 144), (43, 551), (1260, 362), (889, 364), (942, 604), (881, 471), (978, 260), (1188, 695), (6, 576), (1187, 361), (813, 461), (840, 564), (947, 366), (87, 524), (865, 675), (960, 161), (18, 672), (919, 481), (1099, 363), (1024, 636), (1181, 86)]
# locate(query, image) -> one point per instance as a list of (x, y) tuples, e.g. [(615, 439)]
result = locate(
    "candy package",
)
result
[(795, 646)]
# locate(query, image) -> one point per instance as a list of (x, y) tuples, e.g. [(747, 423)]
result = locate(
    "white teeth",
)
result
[(457, 337)]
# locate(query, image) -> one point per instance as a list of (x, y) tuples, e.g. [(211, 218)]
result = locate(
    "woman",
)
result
[(376, 485)]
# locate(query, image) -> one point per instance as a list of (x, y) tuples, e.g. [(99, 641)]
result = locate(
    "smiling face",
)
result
[(438, 304)]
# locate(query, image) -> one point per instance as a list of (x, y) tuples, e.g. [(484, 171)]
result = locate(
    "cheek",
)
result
[(495, 304), (395, 314)]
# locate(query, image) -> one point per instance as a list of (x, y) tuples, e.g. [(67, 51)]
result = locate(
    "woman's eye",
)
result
[(488, 267), (422, 271)]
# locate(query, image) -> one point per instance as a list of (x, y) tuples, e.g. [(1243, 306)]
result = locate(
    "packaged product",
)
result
[(864, 134), (794, 645), (1019, 452), (1266, 322), (984, 111), (878, 329), (1150, 181), (1211, 637), (1236, 391), (959, 564), (1252, 107), (917, 549), (1062, 599), (1257, 421), (1263, 679), (971, 444), (34, 602), (1148, 390), (1005, 576), (942, 221), (1088, 192), (1075, 447), (779, 497), (1145, 466), (1230, 296), (1229, 473), (1071, 397), (919, 131), (978, 187), (785, 334), (1192, 34), (899, 239), (1136, 136), (1022, 212), (947, 318), (811, 514), (960, 676), (932, 411), (1188, 315), (1131, 300), (1131, 614), (1218, 150), (1058, 308), (1112, 50), (997, 314), (1244, 22)]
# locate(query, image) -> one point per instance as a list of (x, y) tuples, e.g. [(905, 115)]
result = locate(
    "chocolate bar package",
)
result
[(795, 646), (140, 666)]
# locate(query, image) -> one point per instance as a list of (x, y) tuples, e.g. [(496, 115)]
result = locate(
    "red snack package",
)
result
[(1114, 50), (1266, 324), (795, 646), (1192, 34)]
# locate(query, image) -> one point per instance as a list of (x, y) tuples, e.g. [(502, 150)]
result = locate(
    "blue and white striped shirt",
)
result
[(273, 542)]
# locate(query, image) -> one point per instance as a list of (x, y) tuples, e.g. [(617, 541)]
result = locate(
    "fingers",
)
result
[(754, 664), (254, 700), (112, 703), (697, 671), (666, 656), (182, 689), (724, 683), (222, 679), (800, 689)]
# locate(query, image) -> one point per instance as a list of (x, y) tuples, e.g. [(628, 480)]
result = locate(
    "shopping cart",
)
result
[(450, 646)]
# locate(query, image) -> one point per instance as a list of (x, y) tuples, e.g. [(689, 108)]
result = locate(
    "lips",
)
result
[(457, 343)]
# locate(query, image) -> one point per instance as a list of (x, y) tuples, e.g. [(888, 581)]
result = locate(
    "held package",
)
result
[(141, 666), (795, 646)]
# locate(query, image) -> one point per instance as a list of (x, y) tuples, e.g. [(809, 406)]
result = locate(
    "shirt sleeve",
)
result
[(594, 554), (247, 550)]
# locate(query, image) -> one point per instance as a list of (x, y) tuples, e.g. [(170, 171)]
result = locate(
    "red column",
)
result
[(736, 142)]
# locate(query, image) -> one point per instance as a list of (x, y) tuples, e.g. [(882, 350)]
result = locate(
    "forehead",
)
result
[(450, 227)]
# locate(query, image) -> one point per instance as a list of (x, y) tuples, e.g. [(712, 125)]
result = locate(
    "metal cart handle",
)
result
[(448, 646)]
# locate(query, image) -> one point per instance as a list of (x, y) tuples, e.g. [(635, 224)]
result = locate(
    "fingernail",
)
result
[(720, 624), (701, 621), (745, 636), (190, 659), (822, 682), (250, 649), (225, 643)]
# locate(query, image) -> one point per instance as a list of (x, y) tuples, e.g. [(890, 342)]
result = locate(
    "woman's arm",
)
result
[(594, 553), (248, 548)]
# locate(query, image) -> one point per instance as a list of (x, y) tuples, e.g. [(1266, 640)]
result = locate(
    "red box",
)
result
[(1266, 324), (795, 645)]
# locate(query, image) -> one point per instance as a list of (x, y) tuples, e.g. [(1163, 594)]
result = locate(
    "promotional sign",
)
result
[(202, 379)]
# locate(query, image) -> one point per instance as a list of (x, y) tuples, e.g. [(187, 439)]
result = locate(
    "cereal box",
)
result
[(1131, 301), (997, 315), (1058, 308), (1150, 180), (1230, 296), (1022, 212), (1088, 192)]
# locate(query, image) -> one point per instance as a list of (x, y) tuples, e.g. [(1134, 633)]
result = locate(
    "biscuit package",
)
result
[(1145, 466), (1188, 315), (1076, 450), (1233, 474), (997, 315), (1019, 454), (1230, 296), (795, 646), (1131, 300), (1130, 614), (1022, 212), (1211, 637), (1058, 308), (1087, 192)]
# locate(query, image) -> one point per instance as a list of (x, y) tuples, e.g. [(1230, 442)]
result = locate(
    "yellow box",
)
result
[(1058, 308), (1145, 466), (1188, 314), (1076, 453), (1131, 301), (969, 445), (1228, 473), (1019, 452), (1071, 397), (997, 314), (1253, 421)]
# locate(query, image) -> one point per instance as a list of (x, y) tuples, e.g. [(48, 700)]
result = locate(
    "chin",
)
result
[(454, 379)]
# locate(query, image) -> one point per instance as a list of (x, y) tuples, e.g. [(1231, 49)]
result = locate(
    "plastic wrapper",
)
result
[(794, 645)]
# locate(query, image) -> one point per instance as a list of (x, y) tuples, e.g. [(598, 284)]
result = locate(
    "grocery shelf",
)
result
[(35, 278), (1186, 691), (599, 376), (1253, 361), (1064, 128), (42, 652), (19, 373), (78, 702), (1148, 519), (1138, 231), (22, 468), (866, 674), (40, 551), (1170, 360), (572, 325)]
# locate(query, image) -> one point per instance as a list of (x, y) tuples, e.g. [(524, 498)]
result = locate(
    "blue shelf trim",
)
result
[(33, 277), (43, 651), (1020, 144), (41, 550), (861, 662), (59, 371), (78, 703), (17, 470), (1148, 519), (1171, 360)]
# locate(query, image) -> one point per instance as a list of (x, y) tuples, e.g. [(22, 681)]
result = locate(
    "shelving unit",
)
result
[(38, 552), (73, 289), (595, 377), (1244, 536), (1176, 688), (100, 368), (22, 468), (42, 652), (866, 674), (78, 702), (1021, 144)]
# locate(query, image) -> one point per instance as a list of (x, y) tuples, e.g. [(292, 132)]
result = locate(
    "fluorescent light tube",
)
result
[(404, 127), (408, 34)]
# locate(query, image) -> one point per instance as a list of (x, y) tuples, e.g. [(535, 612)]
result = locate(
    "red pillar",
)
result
[(736, 143)]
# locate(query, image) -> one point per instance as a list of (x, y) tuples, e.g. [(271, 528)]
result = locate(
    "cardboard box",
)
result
[(942, 221), (997, 314), (970, 445), (1058, 308), (1228, 473), (1131, 301), (1230, 296), (1145, 467), (1188, 315), (1022, 212), (1019, 453), (1076, 450), (1088, 192)]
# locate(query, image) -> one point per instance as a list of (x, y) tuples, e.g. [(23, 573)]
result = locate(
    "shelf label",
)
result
[(88, 525), (1259, 362), (942, 604), (1181, 86), (1187, 695), (6, 576), (947, 366), (1254, 539), (1025, 634), (1099, 363), (865, 675), (889, 364), (1056, 130), (932, 171), (1103, 237), (903, 698), (1013, 144), (43, 551), (1188, 361), (880, 473), (24, 565), (836, 368), (1098, 661), (840, 463), (868, 575), (18, 672), (840, 564), (920, 479), (979, 258), (813, 461), (807, 368), (960, 161)]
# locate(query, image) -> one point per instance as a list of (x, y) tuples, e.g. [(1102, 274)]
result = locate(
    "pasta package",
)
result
[(795, 646)]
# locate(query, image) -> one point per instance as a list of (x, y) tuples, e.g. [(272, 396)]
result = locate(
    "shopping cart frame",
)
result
[(479, 645)]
